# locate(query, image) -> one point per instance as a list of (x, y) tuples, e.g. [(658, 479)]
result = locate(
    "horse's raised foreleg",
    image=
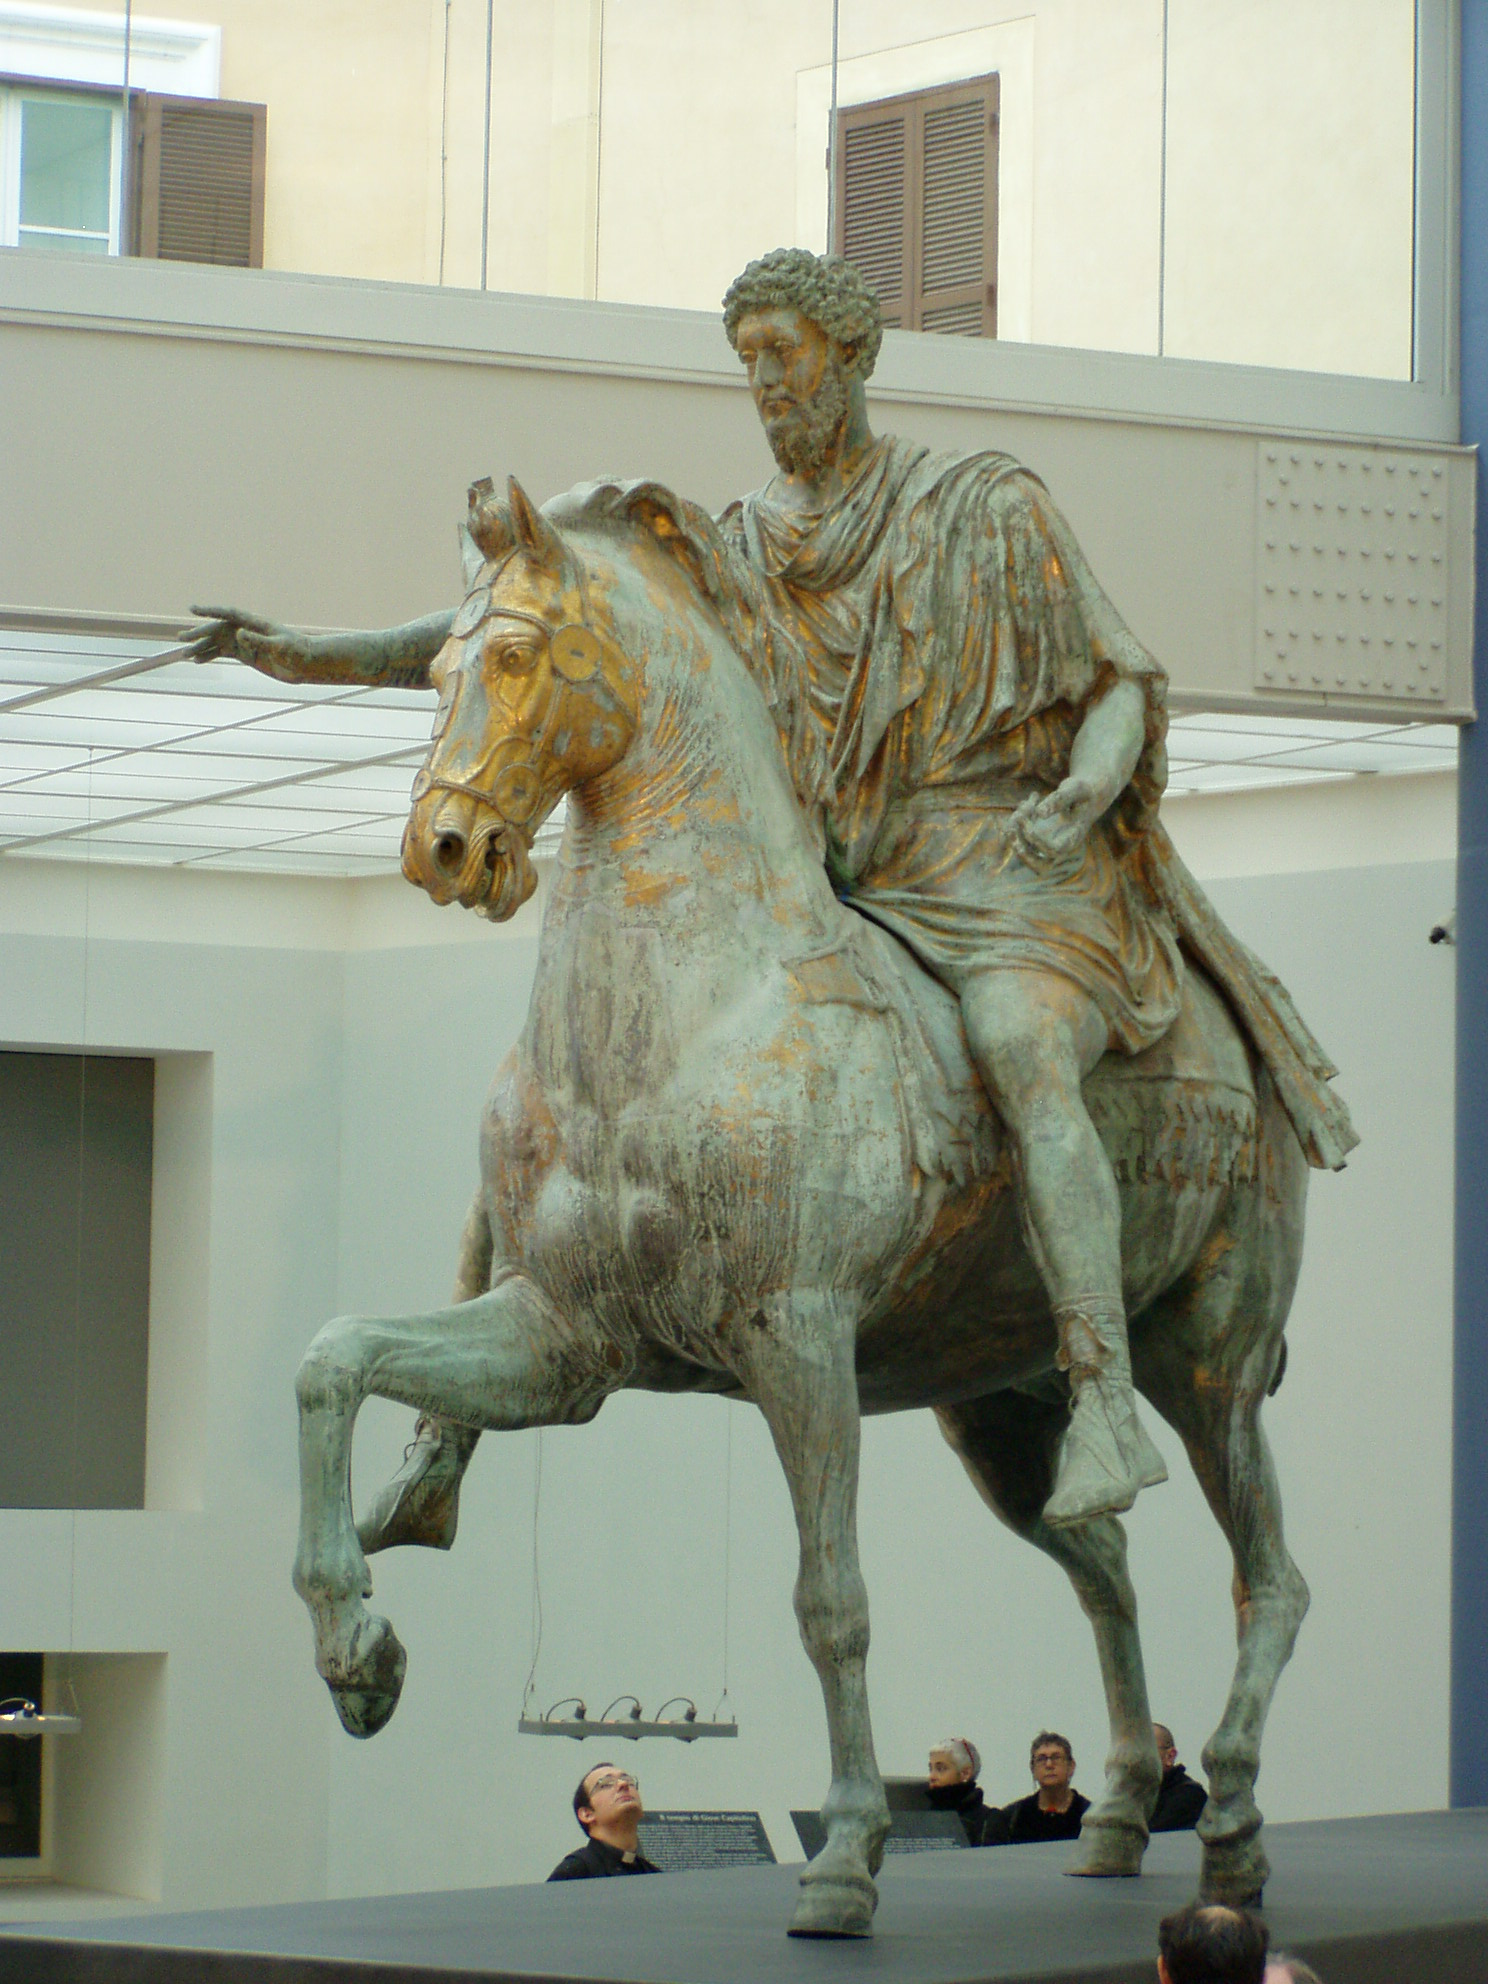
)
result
[(421, 1504), (1009, 1445), (800, 1370), (508, 1359)]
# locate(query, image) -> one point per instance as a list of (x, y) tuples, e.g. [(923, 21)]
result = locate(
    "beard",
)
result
[(801, 438)]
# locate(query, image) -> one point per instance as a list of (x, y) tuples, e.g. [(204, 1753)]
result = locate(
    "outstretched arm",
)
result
[(389, 658)]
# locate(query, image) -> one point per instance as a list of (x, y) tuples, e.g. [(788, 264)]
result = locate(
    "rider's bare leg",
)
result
[(1035, 1037)]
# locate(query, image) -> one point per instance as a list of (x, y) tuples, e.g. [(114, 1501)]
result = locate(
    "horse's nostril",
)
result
[(449, 851)]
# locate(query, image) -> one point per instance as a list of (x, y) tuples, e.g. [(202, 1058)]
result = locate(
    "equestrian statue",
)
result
[(882, 1053)]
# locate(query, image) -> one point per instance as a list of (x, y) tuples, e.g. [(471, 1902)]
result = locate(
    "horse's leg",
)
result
[(508, 1359), (1208, 1375), (421, 1504), (800, 1369), (1009, 1445)]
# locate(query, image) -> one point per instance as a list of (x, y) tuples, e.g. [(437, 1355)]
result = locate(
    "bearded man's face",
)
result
[(799, 383)]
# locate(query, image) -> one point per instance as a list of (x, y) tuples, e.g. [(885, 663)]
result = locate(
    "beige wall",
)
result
[(642, 152)]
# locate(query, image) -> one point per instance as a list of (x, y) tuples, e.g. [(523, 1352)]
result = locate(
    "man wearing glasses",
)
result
[(607, 1805)]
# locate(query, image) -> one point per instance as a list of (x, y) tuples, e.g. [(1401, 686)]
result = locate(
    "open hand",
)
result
[(233, 636), (1053, 826)]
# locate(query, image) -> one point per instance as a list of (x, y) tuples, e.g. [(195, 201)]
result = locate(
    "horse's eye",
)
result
[(516, 657)]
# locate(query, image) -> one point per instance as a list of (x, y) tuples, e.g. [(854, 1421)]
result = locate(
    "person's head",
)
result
[(807, 329), (1208, 1944), (1051, 1760), (1167, 1749), (954, 1761), (1284, 1969), (604, 1795)]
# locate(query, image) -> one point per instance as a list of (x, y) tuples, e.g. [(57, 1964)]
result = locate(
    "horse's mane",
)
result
[(738, 594)]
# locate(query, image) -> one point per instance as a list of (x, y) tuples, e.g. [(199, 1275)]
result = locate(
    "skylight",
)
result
[(108, 752)]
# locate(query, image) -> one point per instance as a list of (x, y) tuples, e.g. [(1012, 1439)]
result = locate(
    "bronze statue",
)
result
[(742, 1146)]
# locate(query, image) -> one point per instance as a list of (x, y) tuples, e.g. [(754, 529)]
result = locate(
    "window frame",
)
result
[(14, 93)]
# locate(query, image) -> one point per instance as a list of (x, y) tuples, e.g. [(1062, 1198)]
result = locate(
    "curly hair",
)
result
[(824, 288)]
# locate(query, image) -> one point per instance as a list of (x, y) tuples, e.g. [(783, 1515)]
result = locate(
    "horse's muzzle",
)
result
[(458, 851)]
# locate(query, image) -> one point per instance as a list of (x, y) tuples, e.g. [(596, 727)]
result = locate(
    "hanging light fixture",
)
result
[(630, 1727), (22, 1718)]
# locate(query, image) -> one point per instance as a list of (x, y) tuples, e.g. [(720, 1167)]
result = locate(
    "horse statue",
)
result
[(740, 1148)]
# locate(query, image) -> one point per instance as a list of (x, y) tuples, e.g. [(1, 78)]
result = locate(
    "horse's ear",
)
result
[(487, 528), (534, 534)]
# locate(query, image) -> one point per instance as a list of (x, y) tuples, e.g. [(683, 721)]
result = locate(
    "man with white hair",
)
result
[(952, 1786)]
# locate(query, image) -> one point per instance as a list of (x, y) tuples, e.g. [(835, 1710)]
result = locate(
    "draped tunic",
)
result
[(955, 642)]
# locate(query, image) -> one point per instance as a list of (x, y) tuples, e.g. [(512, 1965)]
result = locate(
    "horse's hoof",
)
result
[(835, 1908), (379, 1662), (1236, 1876), (1109, 1852)]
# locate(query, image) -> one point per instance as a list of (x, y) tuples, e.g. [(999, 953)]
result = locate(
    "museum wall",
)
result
[(352, 1029)]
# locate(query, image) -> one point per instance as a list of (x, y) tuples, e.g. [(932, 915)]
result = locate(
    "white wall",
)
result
[(352, 1030)]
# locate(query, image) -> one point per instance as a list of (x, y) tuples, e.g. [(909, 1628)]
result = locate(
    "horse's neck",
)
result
[(699, 816)]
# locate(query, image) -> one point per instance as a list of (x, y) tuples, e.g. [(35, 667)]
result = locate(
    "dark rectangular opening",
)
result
[(20, 1763), (76, 1152)]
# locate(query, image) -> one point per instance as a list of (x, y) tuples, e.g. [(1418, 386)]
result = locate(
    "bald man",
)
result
[(1209, 1944)]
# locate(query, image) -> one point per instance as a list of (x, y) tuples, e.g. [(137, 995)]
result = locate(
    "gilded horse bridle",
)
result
[(576, 653)]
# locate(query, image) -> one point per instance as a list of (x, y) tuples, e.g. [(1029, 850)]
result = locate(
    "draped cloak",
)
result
[(954, 640)]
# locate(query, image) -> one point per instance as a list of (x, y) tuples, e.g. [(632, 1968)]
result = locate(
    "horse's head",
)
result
[(535, 697)]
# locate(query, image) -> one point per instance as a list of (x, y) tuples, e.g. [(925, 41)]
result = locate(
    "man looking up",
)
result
[(1055, 1809), (607, 1805), (996, 741)]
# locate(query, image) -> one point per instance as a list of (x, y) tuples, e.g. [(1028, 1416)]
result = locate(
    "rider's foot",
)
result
[(1106, 1458), (421, 1504)]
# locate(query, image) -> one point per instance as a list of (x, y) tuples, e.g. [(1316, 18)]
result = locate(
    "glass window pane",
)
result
[(76, 244), (66, 156)]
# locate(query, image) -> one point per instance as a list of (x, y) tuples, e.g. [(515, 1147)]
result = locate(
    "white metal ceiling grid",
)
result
[(185, 764)]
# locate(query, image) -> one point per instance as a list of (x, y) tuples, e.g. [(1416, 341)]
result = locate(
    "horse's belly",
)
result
[(972, 1316)]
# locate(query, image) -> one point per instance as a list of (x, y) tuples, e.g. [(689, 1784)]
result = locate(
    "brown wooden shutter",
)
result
[(917, 205), (197, 179)]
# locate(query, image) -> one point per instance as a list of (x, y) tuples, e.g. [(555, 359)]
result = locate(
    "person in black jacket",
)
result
[(1179, 1799), (607, 1805), (1055, 1809), (952, 1786)]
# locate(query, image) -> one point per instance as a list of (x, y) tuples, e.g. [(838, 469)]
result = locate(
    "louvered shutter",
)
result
[(197, 192), (917, 205), (876, 236)]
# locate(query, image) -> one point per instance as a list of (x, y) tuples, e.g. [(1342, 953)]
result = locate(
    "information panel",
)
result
[(702, 1842), (909, 1832)]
